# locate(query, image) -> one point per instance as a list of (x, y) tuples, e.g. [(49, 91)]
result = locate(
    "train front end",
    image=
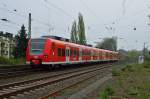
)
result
[(37, 51)]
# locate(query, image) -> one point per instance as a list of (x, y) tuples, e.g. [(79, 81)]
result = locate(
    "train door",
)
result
[(67, 54), (91, 55), (80, 54), (53, 51)]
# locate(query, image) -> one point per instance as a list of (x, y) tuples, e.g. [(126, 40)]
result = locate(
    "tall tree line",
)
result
[(78, 31)]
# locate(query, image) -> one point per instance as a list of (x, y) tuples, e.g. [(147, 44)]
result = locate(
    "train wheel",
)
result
[(48, 67), (33, 66)]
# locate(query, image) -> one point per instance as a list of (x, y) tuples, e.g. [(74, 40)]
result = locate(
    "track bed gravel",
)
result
[(39, 74), (65, 79)]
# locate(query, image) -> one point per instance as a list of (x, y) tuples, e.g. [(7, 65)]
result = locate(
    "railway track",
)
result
[(15, 72), (13, 68), (59, 80)]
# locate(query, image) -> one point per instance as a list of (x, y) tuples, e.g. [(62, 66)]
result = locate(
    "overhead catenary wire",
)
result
[(15, 11), (50, 4), (24, 16), (58, 8), (107, 24), (8, 21), (89, 9), (124, 6), (11, 26)]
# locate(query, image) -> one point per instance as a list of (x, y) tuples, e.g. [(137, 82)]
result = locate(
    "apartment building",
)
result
[(7, 44)]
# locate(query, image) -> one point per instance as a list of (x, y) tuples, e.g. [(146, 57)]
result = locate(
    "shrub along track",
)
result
[(53, 83)]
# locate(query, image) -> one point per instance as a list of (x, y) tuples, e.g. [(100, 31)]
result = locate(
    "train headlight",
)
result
[(45, 56)]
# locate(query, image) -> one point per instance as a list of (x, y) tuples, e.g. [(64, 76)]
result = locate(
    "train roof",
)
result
[(73, 44), (83, 46)]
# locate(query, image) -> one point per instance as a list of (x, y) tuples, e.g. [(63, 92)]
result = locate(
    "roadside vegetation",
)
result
[(19, 50), (129, 82), (12, 61)]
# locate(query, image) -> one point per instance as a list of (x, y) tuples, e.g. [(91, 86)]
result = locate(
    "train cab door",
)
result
[(53, 51), (80, 54), (91, 55), (67, 54)]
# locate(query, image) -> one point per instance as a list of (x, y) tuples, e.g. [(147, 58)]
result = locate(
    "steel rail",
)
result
[(13, 89), (55, 73), (14, 73)]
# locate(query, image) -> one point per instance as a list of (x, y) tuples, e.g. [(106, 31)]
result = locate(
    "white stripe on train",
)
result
[(73, 62)]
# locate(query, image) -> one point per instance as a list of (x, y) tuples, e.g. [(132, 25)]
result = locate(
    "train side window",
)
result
[(63, 52), (80, 52), (70, 52), (74, 52), (77, 53), (83, 53), (59, 52)]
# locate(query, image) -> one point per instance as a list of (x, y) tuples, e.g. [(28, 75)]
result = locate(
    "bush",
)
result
[(133, 92), (146, 64), (129, 68), (123, 69), (108, 91), (116, 72), (147, 58), (4, 60), (12, 61)]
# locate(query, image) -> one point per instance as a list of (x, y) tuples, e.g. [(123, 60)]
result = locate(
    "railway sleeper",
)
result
[(69, 82)]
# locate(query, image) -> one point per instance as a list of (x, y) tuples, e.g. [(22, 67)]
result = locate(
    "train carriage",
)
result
[(51, 51)]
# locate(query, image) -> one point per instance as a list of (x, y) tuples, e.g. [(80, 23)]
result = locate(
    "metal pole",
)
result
[(29, 26), (144, 49)]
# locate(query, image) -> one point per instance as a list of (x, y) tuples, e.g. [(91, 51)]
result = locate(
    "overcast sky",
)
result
[(103, 18)]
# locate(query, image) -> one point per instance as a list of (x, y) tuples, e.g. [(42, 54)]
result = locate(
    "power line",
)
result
[(15, 11), (11, 26), (124, 6), (8, 21), (58, 8), (89, 9)]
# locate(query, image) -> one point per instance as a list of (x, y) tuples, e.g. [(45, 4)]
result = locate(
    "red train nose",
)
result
[(36, 62)]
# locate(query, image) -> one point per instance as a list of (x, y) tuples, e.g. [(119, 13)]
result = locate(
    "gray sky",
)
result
[(103, 18)]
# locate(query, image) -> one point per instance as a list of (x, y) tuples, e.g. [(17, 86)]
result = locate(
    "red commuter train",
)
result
[(50, 51)]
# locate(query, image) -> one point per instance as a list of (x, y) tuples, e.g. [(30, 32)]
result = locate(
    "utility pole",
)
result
[(144, 49), (29, 26)]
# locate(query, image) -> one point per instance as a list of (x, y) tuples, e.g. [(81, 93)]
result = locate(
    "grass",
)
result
[(106, 92), (12, 61), (131, 82), (116, 72)]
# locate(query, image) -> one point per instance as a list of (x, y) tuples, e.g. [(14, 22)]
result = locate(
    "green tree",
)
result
[(108, 43), (74, 34), (21, 43), (133, 55), (146, 52), (81, 30)]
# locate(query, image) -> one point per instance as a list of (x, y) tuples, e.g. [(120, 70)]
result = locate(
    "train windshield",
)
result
[(37, 46)]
